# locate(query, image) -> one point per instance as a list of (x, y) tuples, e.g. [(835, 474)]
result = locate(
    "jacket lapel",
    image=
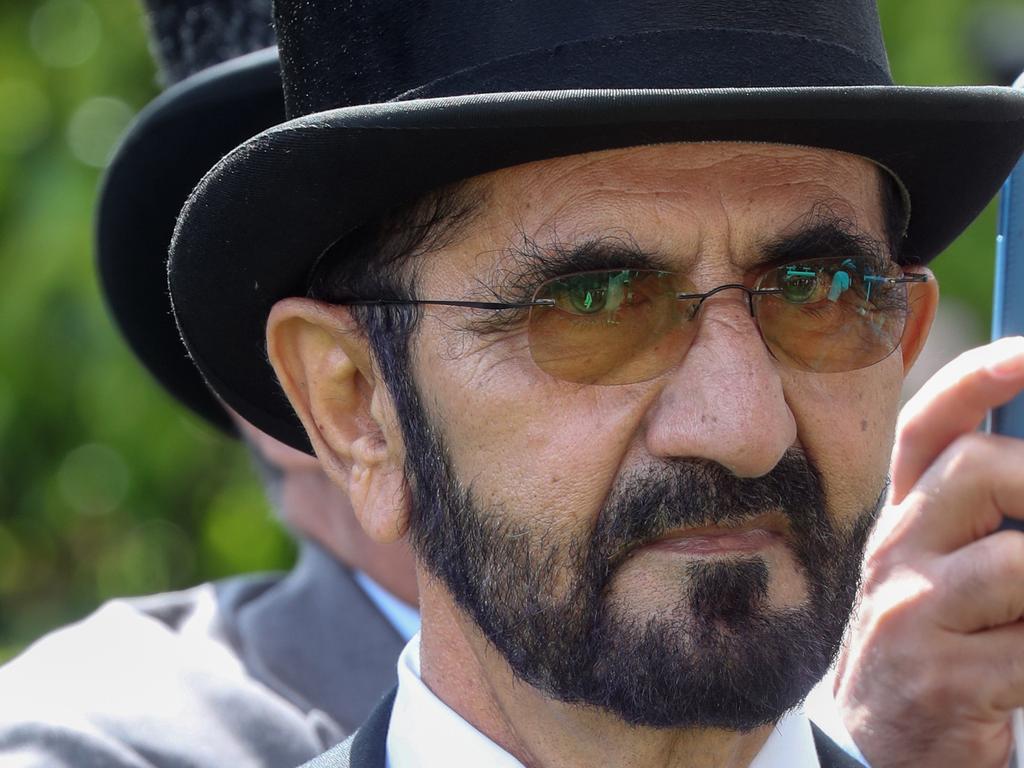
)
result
[(830, 755), (367, 747), (318, 640)]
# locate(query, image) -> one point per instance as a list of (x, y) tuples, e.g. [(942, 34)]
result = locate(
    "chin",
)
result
[(650, 587)]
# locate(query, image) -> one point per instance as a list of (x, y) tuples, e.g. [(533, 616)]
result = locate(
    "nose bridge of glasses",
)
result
[(700, 298)]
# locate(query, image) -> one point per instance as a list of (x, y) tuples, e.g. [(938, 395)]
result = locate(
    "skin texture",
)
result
[(933, 668), (548, 451)]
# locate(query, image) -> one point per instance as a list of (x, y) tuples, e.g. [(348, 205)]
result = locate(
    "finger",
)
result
[(952, 403), (995, 661), (982, 584), (961, 498)]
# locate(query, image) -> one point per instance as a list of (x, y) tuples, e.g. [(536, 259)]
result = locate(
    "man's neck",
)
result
[(473, 679)]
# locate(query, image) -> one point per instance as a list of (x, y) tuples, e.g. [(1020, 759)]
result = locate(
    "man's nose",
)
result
[(725, 400)]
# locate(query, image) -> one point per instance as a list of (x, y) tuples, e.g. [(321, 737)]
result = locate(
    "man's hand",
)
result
[(935, 663)]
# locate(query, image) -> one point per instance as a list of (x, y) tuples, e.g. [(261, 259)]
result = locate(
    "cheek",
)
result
[(846, 424), (538, 447)]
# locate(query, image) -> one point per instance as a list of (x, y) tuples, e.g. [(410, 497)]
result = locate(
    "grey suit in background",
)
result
[(264, 671)]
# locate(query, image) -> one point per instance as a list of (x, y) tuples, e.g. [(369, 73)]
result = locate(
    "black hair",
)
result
[(378, 260), (894, 215)]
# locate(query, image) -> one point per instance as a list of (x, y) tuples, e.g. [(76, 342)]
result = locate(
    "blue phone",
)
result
[(1008, 306)]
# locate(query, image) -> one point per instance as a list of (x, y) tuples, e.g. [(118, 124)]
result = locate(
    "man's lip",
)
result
[(749, 535)]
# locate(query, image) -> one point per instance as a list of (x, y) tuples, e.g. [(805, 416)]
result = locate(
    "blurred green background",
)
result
[(106, 486)]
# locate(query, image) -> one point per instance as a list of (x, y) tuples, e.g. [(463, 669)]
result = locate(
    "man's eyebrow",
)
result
[(825, 237), (527, 264)]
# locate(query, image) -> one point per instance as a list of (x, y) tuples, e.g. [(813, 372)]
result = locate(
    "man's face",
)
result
[(627, 546)]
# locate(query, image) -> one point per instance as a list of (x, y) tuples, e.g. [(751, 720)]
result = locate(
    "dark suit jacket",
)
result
[(367, 747)]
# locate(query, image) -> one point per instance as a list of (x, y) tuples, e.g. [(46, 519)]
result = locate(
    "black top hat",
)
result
[(393, 98), (218, 59)]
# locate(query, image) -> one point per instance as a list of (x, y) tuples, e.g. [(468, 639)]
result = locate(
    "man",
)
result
[(606, 308), (249, 671)]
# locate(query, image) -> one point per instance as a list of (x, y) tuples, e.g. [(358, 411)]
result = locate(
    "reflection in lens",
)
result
[(638, 333), (624, 326), (852, 319)]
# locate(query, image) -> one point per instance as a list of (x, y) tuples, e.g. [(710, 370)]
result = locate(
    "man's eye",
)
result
[(591, 293), (801, 284), (587, 299)]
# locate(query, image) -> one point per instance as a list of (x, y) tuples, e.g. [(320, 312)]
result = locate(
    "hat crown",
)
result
[(187, 36), (370, 51)]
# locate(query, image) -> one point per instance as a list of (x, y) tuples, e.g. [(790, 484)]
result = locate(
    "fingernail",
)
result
[(1008, 362)]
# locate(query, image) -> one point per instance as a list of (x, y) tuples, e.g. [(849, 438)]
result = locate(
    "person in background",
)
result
[(257, 670)]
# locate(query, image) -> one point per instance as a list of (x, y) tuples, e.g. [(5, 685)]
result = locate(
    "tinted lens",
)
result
[(610, 327), (831, 315)]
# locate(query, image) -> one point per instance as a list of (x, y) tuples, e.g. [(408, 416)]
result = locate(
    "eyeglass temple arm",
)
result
[(438, 302)]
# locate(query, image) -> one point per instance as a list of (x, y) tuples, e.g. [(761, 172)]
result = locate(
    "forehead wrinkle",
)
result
[(606, 170), (794, 180), (614, 214), (648, 193), (820, 205), (695, 158)]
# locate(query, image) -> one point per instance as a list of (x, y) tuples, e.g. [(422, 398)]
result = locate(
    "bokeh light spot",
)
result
[(95, 128), (93, 479), (238, 532), (152, 557), (65, 33), (26, 116)]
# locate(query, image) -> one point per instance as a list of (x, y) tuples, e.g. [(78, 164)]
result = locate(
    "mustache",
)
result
[(688, 493)]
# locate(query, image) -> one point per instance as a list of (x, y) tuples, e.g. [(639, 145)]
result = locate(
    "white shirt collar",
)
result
[(425, 733), (791, 744)]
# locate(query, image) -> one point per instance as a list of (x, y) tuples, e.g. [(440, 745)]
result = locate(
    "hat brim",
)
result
[(173, 142), (257, 223)]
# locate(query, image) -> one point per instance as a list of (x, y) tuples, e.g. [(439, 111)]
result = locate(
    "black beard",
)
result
[(724, 658)]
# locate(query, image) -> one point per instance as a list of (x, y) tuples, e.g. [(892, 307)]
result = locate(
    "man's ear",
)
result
[(324, 364), (924, 300)]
